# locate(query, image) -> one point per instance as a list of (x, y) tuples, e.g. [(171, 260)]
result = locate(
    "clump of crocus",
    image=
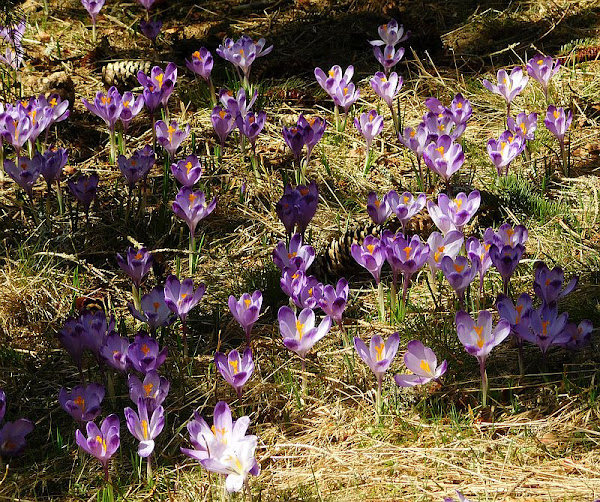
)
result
[(145, 429), (340, 88), (235, 369), (297, 207), (84, 188), (242, 53), (442, 120), (25, 172), (12, 434), (154, 311), (558, 121), (181, 297), (378, 357), (460, 274), (509, 85), (202, 64), (153, 389), (102, 442), (416, 140), (371, 255), (108, 107), (387, 88), (453, 214), (136, 265), (93, 8), (504, 150), (479, 339), (296, 256), (391, 34), (523, 125), (380, 210), (542, 69), (158, 87), (300, 333), (224, 448), (246, 311), (369, 125), (144, 353), (191, 207), (444, 157), (83, 402), (422, 362)]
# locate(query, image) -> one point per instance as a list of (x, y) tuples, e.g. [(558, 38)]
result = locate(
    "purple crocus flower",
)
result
[(443, 123), (171, 136), (380, 354), (461, 109), (52, 164), (235, 369), (93, 8), (380, 210), (387, 88), (114, 351), (146, 4), (292, 282), (154, 311), (575, 337), (181, 297), (481, 251), (71, 338), (406, 256), (309, 295), (422, 362), (251, 125), (246, 310), (295, 257), (83, 402), (389, 57), (131, 169), (201, 63), (143, 428), (17, 129), (223, 123), (106, 106), (542, 69), (444, 157), (408, 206), (509, 85), (507, 235), (391, 33), (101, 442), (300, 333), (346, 95), (298, 206), (459, 274), (331, 81), (191, 207), (238, 104), (415, 140), (371, 255), (314, 128), (151, 28), (454, 214), (187, 171), (504, 150), (243, 52), (12, 437), (440, 246), (333, 300), (523, 125), (369, 125), (224, 448), (558, 121), (153, 389), (60, 108), (479, 339), (132, 106), (159, 84), (517, 315), (25, 172), (548, 284), (545, 326), (84, 189), (295, 139), (506, 259), (136, 264), (144, 353)]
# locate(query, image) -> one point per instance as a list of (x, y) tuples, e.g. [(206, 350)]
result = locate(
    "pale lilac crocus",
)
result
[(380, 210), (143, 428), (187, 171), (408, 206), (378, 357), (330, 81), (153, 389), (235, 369), (171, 136), (548, 284), (444, 157), (518, 317), (459, 210), (421, 361), (238, 104), (440, 246), (132, 106), (391, 33), (504, 150), (242, 54), (201, 63), (460, 274), (371, 255), (296, 256), (509, 85), (334, 299), (542, 69), (558, 121), (443, 123), (387, 88), (314, 128), (102, 442), (181, 297), (369, 125), (108, 107), (223, 123), (346, 95), (389, 57), (507, 235), (251, 126), (523, 125), (246, 311), (479, 339)]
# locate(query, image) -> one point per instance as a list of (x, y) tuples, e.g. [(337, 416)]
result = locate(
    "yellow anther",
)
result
[(379, 349), (459, 268), (425, 366), (79, 401), (145, 349), (145, 428), (148, 389), (234, 365), (299, 328), (407, 250), (370, 248), (440, 149), (247, 302)]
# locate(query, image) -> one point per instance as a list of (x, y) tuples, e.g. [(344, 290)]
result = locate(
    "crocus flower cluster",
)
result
[(137, 167), (297, 207), (12, 434), (242, 54), (224, 448), (236, 111), (391, 34), (339, 87), (307, 132), (158, 87), (101, 442), (13, 35)]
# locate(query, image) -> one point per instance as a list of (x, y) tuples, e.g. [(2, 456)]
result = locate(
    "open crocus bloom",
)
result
[(145, 429), (180, 297), (101, 442), (542, 69), (380, 354), (299, 333), (246, 310), (478, 337), (422, 362), (83, 402), (153, 389), (509, 85), (371, 255), (235, 369), (295, 257)]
